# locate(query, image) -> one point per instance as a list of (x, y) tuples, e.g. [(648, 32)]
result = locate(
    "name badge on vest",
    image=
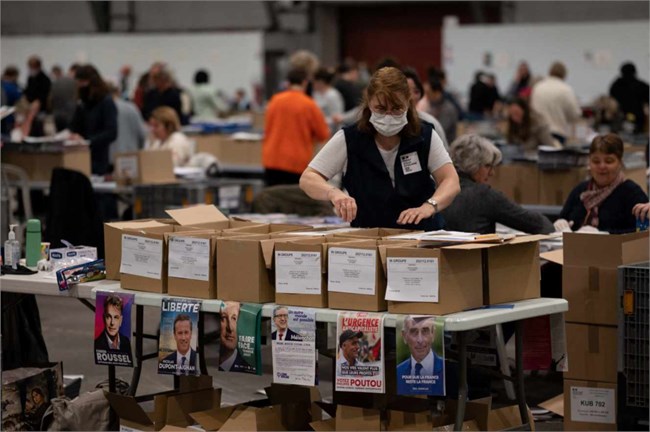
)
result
[(410, 163)]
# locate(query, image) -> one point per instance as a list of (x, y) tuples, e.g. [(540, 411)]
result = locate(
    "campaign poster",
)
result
[(360, 352), (178, 343), (113, 329), (420, 347), (293, 343), (240, 348)]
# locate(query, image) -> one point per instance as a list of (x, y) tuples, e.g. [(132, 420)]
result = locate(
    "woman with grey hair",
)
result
[(478, 207)]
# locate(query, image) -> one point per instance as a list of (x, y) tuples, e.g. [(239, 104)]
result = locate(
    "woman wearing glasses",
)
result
[(387, 159), (478, 207)]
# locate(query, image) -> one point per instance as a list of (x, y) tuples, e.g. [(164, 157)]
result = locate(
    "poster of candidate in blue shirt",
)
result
[(420, 356)]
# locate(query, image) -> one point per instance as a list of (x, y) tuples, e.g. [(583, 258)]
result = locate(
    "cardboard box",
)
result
[(592, 352), (374, 233), (555, 186), (519, 181), (113, 243), (144, 167), (39, 165), (590, 275), (373, 302), (244, 265), (139, 282), (206, 216), (229, 151), (203, 286), (298, 405), (170, 408), (589, 406), (273, 228), (349, 418)]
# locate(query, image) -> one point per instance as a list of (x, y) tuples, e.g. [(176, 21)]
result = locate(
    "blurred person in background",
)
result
[(240, 102), (522, 84), (56, 72), (478, 207), (166, 135), (526, 128), (37, 90), (205, 103), (348, 85), (123, 81), (435, 104), (389, 160), (441, 76), (11, 93), (163, 93), (606, 201), (328, 99), (417, 92), (95, 118), (293, 126), (556, 102), (632, 95), (63, 99), (308, 61), (131, 129)]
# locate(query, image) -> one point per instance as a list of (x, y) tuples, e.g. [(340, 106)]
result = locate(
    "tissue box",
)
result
[(74, 252)]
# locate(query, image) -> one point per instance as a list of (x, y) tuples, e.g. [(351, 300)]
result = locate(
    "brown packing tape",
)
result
[(594, 279), (485, 272), (593, 334)]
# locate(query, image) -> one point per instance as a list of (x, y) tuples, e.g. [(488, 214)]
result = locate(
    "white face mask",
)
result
[(388, 125)]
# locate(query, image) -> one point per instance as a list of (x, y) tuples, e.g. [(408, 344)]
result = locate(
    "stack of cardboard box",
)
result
[(589, 283)]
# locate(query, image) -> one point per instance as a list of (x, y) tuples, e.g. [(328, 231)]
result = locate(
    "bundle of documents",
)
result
[(449, 237)]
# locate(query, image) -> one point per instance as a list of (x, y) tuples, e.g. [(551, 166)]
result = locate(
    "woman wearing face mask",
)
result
[(606, 201), (95, 118), (387, 159)]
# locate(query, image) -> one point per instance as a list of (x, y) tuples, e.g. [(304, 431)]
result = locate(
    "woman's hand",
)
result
[(640, 211), (416, 215), (588, 229), (562, 225), (344, 205)]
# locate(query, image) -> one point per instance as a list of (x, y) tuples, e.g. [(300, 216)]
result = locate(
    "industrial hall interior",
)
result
[(325, 215)]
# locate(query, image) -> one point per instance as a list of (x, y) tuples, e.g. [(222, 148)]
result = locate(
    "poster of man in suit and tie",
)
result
[(420, 356), (113, 328), (179, 337), (293, 335)]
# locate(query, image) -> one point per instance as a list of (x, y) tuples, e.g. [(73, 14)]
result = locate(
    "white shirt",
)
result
[(555, 101), (333, 158), (427, 365), (110, 341), (227, 364), (178, 143), (179, 363)]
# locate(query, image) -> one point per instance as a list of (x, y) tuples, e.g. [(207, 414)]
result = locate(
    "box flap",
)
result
[(601, 250), (328, 425), (409, 421), (635, 251), (350, 418), (203, 213), (213, 419), (329, 408), (135, 224), (555, 256), (477, 409), (173, 428), (127, 408), (506, 418), (470, 425), (554, 404)]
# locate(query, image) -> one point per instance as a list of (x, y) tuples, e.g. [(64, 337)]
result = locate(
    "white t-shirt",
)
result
[(333, 158), (178, 143)]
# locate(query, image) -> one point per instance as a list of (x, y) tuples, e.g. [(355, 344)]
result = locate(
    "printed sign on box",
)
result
[(593, 405)]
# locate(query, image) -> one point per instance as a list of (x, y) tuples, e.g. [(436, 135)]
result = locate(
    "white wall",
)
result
[(234, 59), (592, 52)]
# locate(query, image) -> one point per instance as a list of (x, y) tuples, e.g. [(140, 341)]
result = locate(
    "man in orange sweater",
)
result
[(294, 124)]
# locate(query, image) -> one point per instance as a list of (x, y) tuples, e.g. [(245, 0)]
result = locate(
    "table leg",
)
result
[(519, 361), (201, 346), (137, 366), (462, 380), (112, 385)]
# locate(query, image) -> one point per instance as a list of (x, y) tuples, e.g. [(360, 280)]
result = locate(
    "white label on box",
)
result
[(189, 258), (126, 167), (352, 270), (412, 279), (297, 272), (593, 405), (229, 197), (142, 256)]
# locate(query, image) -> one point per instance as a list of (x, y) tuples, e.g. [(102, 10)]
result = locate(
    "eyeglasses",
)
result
[(395, 112)]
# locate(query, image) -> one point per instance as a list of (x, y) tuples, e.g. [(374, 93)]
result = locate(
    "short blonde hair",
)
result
[(471, 152), (167, 117)]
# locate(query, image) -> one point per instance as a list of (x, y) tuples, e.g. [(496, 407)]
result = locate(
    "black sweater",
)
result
[(614, 214), (97, 122)]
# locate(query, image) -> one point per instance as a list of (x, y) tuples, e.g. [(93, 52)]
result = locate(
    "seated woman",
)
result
[(526, 128), (606, 201), (478, 207), (165, 130)]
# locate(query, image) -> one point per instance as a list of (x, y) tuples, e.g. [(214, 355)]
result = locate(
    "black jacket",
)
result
[(97, 122)]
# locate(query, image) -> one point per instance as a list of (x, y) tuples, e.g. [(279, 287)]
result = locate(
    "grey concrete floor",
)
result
[(68, 330)]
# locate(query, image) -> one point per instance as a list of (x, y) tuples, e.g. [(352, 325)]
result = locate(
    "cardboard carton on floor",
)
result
[(113, 242), (191, 264), (298, 405), (349, 418), (589, 406), (590, 275), (592, 351), (144, 167), (489, 419), (244, 268), (300, 267), (206, 216), (170, 407), (144, 259), (356, 276)]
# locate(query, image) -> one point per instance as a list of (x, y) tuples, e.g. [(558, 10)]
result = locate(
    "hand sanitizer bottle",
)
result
[(12, 249)]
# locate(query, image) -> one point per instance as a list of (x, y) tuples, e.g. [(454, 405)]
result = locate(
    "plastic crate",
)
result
[(634, 334)]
